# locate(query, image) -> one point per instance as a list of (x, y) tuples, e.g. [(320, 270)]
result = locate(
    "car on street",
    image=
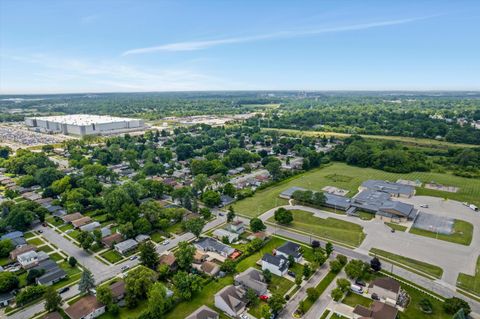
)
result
[(220, 214), (64, 290), (133, 257), (40, 231), (44, 225), (166, 242), (424, 206), (356, 289), (392, 230), (125, 268)]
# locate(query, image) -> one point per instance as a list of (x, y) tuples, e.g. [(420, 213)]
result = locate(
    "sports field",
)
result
[(349, 178)]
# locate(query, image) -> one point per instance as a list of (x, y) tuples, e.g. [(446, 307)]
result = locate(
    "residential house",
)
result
[(260, 235), (199, 257), (112, 239), (278, 265), (20, 250), (16, 237), (125, 246), (385, 288), (90, 227), (6, 298), (231, 300), (208, 244), (52, 272), (223, 233), (118, 290), (71, 217), (169, 260), (252, 279), (203, 312), (290, 249), (141, 238), (28, 260), (106, 231), (53, 315), (87, 307), (81, 222), (378, 310), (237, 227), (210, 268)]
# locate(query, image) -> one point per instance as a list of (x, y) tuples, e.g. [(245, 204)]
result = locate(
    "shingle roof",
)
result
[(118, 289), (232, 297), (278, 261), (290, 249), (203, 312), (83, 307), (252, 278), (210, 244), (386, 186), (386, 283)]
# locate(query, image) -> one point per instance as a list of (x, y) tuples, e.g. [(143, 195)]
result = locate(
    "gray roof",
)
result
[(279, 261), (12, 235), (403, 209), (338, 201), (210, 244), (203, 312), (52, 275), (289, 192), (6, 297), (126, 245), (253, 279), (389, 187), (370, 200), (290, 249), (233, 297)]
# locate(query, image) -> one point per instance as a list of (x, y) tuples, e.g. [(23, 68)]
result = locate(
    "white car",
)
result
[(244, 316), (125, 268), (166, 242)]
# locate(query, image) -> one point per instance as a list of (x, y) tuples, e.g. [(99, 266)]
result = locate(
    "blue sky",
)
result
[(120, 45)]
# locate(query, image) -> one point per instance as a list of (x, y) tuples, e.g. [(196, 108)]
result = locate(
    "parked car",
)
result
[(40, 231), (133, 257), (125, 268), (64, 290), (291, 273), (357, 289), (424, 206), (264, 297), (166, 242), (44, 225), (360, 282), (221, 214), (392, 230), (375, 297)]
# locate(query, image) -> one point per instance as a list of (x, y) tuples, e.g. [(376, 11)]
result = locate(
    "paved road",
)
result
[(452, 258), (100, 271), (321, 304)]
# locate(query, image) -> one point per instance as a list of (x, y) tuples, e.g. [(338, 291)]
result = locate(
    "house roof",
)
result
[(289, 192), (232, 296), (6, 297), (111, 239), (20, 250), (90, 226), (81, 221), (83, 307), (252, 278), (337, 200), (210, 268), (279, 261), (290, 249), (399, 208), (210, 244), (126, 245), (386, 283), (12, 235), (167, 259), (52, 275), (53, 315), (71, 217), (27, 256), (203, 312), (118, 289), (378, 310)]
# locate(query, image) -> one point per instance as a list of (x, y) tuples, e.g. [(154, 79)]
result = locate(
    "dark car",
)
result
[(64, 290), (360, 282), (291, 273), (375, 297)]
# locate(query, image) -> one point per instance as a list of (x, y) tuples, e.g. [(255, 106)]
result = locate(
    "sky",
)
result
[(144, 45)]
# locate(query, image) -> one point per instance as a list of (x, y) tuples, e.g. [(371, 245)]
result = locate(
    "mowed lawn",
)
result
[(328, 228), (462, 233), (429, 269), (470, 283), (350, 177)]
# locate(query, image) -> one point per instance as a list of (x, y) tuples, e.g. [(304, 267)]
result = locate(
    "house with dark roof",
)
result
[(386, 289), (112, 239), (87, 307), (210, 268), (77, 223), (252, 279), (378, 310), (6, 298), (126, 246), (231, 300), (169, 260), (208, 244), (290, 249), (53, 273), (277, 265), (53, 315), (71, 217), (16, 237), (20, 250), (118, 290), (203, 312)]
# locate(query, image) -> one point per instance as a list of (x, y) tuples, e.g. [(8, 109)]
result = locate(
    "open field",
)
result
[(462, 233), (404, 139), (349, 178), (329, 228), (470, 283), (429, 269)]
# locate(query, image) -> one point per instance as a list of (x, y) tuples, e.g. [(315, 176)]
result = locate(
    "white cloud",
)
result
[(200, 45)]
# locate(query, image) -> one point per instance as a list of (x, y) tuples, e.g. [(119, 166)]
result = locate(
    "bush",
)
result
[(313, 294), (8, 281), (30, 293), (454, 304)]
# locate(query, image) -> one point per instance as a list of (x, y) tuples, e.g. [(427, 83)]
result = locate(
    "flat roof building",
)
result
[(84, 124)]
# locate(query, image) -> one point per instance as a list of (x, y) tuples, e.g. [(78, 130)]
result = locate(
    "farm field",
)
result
[(462, 233), (349, 178), (424, 267), (329, 228)]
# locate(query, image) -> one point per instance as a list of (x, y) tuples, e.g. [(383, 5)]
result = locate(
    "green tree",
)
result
[(230, 214), (313, 294), (267, 275), (229, 266), (184, 255), (328, 248), (426, 305), (85, 239), (375, 264), (200, 182), (335, 266), (6, 246), (319, 257), (53, 301), (252, 297), (104, 295), (157, 300), (33, 274), (460, 314), (343, 284), (211, 198), (337, 294), (8, 281), (87, 282), (137, 284), (257, 225), (194, 225), (72, 261), (276, 302), (298, 279), (354, 269), (148, 255), (265, 311), (186, 284), (283, 216), (307, 271), (206, 213), (454, 304)]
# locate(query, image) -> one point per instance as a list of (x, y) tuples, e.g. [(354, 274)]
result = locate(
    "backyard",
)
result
[(328, 228), (350, 177)]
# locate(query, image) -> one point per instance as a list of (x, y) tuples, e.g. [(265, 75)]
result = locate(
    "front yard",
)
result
[(112, 256)]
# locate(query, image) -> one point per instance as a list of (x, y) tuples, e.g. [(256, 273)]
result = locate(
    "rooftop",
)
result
[(203, 312), (389, 187), (83, 119), (83, 307)]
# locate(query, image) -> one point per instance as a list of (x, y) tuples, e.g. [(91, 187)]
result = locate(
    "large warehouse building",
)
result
[(84, 124)]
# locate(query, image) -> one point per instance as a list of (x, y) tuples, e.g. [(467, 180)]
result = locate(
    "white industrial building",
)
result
[(84, 124)]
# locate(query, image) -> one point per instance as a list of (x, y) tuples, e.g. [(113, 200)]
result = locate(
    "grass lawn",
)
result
[(470, 283), (366, 215), (156, 237), (462, 233), (35, 241), (429, 269), (175, 229), (325, 314), (413, 310), (316, 179), (112, 256), (353, 299), (328, 228), (322, 285), (126, 312), (22, 279), (280, 285), (45, 248), (337, 316), (54, 221), (28, 235), (74, 234), (4, 261), (396, 226), (65, 227), (56, 257)]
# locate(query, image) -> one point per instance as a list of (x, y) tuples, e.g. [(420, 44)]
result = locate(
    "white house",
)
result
[(126, 246), (28, 259), (277, 265), (290, 249), (222, 233)]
